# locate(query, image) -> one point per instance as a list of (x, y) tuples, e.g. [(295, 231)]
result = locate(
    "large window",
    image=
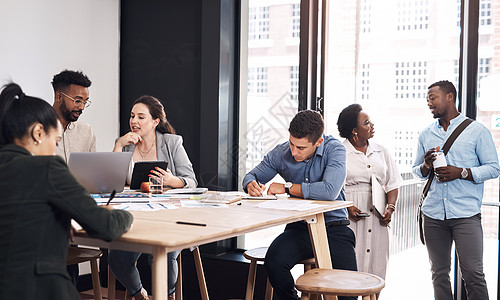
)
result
[(273, 78), (383, 55)]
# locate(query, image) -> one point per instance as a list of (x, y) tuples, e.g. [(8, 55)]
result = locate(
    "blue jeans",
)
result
[(122, 264), (294, 245), (467, 233)]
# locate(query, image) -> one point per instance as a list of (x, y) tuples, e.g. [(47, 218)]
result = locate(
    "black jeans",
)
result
[(294, 245)]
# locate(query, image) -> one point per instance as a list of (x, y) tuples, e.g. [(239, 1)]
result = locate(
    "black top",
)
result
[(38, 198)]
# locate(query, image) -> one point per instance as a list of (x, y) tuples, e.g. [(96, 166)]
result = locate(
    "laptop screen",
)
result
[(100, 172)]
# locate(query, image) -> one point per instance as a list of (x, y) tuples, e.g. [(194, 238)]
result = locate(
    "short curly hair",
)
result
[(307, 123), (348, 120), (445, 86), (67, 78)]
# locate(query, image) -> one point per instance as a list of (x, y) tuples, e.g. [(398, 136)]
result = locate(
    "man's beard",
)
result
[(68, 114)]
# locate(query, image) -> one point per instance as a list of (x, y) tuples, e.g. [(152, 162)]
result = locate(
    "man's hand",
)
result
[(448, 173), (255, 189), (276, 188), (429, 157)]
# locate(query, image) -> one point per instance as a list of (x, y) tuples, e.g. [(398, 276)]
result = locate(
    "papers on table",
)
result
[(222, 197), (187, 191), (200, 203), (263, 197), (144, 206), (289, 205), (126, 197)]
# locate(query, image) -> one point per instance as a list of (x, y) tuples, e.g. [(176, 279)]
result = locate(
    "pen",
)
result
[(257, 180), (189, 223), (111, 197)]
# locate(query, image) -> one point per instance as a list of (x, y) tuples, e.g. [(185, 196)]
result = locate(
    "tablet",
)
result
[(141, 171)]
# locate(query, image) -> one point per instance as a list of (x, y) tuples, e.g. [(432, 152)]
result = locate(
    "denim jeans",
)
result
[(294, 245), (122, 264)]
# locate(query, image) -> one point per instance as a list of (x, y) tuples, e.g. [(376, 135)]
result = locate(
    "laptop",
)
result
[(100, 172)]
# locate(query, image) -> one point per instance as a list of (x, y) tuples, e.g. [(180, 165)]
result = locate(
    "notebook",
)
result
[(379, 197), (100, 172)]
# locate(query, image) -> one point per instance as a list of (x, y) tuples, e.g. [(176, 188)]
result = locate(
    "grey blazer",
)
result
[(169, 148)]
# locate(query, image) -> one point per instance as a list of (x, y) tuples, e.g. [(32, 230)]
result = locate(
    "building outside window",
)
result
[(383, 55)]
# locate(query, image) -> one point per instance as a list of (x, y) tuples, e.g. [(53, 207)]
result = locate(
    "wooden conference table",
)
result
[(158, 233)]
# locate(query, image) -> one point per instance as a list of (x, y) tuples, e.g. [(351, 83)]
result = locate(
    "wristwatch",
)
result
[(288, 185), (464, 173)]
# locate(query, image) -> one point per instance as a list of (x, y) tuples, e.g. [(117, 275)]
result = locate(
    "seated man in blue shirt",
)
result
[(314, 167), (452, 208)]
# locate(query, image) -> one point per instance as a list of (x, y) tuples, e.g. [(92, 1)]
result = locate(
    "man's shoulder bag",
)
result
[(446, 147)]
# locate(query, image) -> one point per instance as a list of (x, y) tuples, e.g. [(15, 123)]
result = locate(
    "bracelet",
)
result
[(426, 166), (390, 205)]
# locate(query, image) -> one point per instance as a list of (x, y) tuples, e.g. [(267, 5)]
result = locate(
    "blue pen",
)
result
[(150, 206), (163, 206)]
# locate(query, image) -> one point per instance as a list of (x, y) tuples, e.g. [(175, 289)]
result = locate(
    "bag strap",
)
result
[(446, 147)]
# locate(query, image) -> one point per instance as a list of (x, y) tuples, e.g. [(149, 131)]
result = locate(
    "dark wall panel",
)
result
[(160, 55)]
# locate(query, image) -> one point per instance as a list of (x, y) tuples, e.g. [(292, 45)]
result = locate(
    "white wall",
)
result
[(40, 38)]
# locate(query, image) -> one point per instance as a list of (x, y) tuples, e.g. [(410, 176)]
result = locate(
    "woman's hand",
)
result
[(387, 217), (352, 213), (168, 178), (127, 139)]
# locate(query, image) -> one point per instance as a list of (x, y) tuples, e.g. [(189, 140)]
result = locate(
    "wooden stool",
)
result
[(78, 255), (339, 283), (259, 254)]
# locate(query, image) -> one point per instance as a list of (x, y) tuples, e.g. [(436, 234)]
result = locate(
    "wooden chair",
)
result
[(333, 282), (259, 254), (78, 255), (178, 286)]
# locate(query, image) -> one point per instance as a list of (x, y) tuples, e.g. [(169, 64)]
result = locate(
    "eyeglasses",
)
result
[(78, 102)]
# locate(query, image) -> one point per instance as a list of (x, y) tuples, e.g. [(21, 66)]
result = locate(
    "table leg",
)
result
[(111, 285), (319, 240), (159, 273)]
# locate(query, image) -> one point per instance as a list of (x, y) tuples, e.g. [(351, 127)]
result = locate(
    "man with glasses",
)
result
[(71, 97)]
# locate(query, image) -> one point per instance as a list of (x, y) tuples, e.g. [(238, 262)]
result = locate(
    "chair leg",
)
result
[(370, 297), (201, 275), (178, 285), (315, 297), (251, 280), (127, 296), (96, 283), (304, 296), (269, 290), (111, 285)]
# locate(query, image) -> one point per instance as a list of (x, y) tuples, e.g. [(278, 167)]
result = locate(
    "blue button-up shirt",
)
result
[(321, 177), (474, 149)]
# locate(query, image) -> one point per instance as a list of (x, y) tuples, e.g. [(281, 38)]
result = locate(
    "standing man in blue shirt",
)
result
[(452, 208), (314, 167)]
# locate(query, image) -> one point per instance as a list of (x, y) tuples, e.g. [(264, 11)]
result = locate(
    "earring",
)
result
[(38, 142), (355, 137)]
